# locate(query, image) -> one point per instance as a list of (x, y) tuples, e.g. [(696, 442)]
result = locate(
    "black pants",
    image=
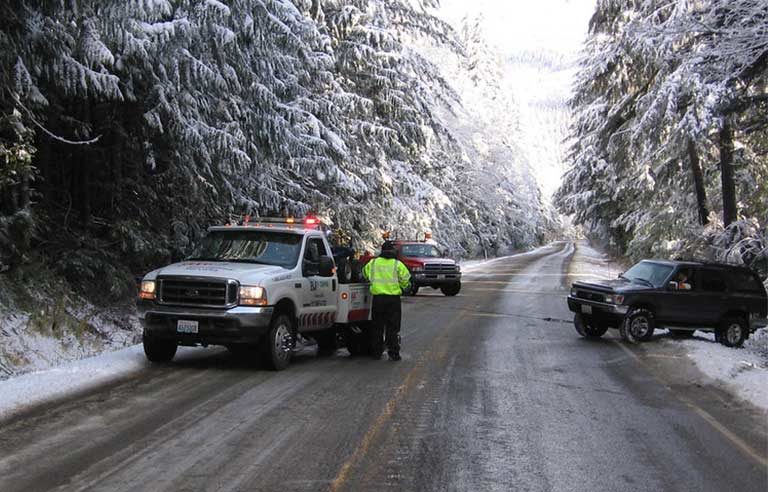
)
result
[(386, 321)]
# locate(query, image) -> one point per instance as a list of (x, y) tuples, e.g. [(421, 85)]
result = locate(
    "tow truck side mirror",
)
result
[(326, 266)]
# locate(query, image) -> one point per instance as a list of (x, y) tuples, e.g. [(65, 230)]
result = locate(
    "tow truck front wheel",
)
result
[(276, 347), (159, 350)]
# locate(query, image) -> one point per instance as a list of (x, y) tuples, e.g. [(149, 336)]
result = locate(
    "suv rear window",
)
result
[(742, 281)]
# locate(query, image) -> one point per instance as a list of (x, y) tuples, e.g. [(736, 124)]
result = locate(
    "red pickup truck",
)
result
[(428, 266)]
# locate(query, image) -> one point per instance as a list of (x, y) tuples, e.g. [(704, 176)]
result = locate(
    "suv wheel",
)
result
[(588, 327), (451, 289), (276, 347), (733, 332), (638, 326), (159, 350)]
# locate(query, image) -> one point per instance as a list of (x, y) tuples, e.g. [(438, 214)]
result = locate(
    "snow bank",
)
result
[(39, 387), (744, 370)]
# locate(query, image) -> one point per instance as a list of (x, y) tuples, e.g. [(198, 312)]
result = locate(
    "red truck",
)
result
[(428, 265)]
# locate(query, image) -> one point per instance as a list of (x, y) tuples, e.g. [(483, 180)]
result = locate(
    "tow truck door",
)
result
[(318, 309)]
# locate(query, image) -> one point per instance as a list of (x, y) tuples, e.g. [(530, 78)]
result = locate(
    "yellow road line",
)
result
[(708, 418), (389, 409)]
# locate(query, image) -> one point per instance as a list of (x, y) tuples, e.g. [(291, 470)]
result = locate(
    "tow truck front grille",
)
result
[(198, 292), (590, 296)]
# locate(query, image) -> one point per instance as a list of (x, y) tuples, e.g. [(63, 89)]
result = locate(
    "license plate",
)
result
[(586, 309), (440, 277), (186, 326)]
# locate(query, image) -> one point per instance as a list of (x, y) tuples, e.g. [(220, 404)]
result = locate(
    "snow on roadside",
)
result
[(744, 371), (39, 387)]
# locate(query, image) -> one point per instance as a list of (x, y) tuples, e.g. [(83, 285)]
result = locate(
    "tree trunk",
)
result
[(726, 173), (698, 182)]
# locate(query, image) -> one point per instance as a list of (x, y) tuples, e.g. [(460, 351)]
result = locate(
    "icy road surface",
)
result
[(494, 393)]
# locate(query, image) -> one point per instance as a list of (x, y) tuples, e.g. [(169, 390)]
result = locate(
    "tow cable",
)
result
[(547, 319)]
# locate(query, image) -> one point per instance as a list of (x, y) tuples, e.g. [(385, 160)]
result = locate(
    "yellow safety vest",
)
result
[(388, 276)]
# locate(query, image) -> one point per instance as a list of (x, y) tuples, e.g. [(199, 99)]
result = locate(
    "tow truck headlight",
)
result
[(614, 299), (253, 296), (574, 293), (417, 269), (147, 290)]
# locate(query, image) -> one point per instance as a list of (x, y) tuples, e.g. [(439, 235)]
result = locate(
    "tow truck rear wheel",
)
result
[(354, 339), (451, 289), (276, 346), (588, 327), (327, 342), (159, 350)]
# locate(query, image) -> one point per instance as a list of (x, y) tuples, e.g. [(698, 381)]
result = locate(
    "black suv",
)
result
[(681, 296)]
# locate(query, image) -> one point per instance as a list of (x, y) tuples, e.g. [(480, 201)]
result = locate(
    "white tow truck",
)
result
[(256, 285)]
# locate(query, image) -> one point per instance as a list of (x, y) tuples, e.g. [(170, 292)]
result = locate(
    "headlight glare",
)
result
[(147, 290), (253, 296)]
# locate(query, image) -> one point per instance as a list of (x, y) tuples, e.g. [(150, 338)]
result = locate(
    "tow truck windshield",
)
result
[(648, 273), (268, 248), (420, 251)]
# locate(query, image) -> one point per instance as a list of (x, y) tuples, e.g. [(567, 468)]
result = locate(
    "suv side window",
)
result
[(713, 280)]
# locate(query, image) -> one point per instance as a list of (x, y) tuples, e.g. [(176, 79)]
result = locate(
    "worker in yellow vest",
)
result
[(388, 277)]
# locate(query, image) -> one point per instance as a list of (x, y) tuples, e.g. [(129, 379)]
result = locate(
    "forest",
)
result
[(128, 127), (668, 138)]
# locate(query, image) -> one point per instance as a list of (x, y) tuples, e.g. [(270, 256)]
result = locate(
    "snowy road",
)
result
[(494, 393)]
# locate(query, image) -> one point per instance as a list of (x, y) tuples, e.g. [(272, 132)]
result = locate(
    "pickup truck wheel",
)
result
[(588, 327), (451, 289), (276, 347), (412, 289), (733, 332), (638, 326), (159, 350)]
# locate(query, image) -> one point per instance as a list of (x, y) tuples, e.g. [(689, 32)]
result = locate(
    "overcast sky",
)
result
[(556, 27)]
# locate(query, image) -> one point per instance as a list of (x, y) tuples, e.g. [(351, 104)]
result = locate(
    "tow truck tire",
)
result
[(355, 340), (451, 289), (344, 270), (276, 346), (588, 327), (733, 332), (326, 342), (638, 326), (159, 350)]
